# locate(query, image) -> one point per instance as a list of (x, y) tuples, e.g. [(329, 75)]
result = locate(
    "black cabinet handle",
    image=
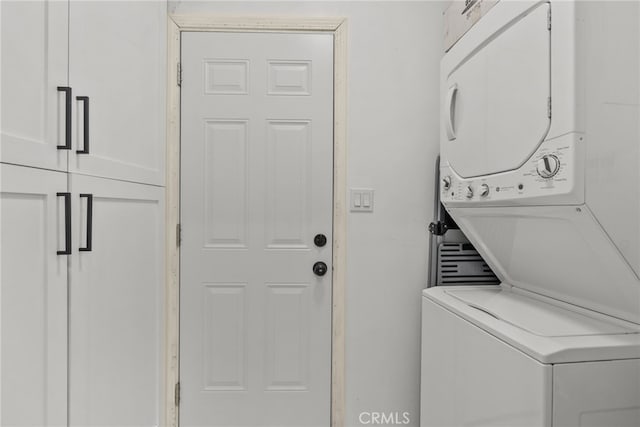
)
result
[(67, 223), (89, 198), (67, 118), (85, 127)]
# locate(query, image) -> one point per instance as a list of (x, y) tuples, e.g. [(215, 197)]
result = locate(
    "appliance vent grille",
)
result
[(461, 264)]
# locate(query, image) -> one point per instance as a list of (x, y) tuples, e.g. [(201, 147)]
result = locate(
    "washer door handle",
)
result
[(450, 110)]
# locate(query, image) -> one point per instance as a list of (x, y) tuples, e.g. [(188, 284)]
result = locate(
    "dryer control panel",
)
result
[(553, 175)]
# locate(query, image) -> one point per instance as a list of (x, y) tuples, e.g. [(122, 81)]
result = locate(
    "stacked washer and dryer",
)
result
[(540, 149)]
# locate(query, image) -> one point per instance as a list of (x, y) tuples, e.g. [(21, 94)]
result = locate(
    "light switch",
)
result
[(361, 200), (366, 200)]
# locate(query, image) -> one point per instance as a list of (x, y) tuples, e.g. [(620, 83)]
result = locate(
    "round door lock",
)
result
[(320, 240), (320, 268)]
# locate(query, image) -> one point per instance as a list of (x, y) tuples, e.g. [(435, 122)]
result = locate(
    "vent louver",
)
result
[(461, 264)]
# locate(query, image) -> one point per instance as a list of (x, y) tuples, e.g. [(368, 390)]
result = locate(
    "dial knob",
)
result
[(548, 166), (446, 182), (469, 192), (484, 190)]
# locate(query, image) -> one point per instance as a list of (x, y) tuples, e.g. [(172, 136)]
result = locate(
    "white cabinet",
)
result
[(114, 284), (34, 64), (117, 58), (33, 293), (116, 296), (83, 87), (87, 76)]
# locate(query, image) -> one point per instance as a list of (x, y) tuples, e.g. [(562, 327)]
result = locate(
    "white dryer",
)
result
[(540, 149)]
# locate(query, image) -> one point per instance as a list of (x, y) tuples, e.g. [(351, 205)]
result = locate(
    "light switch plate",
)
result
[(361, 200)]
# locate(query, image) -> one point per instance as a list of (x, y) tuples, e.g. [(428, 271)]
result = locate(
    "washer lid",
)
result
[(497, 94), (560, 252), (533, 316), (546, 332)]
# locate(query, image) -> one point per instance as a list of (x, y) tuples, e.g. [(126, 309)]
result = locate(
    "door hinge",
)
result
[(179, 74), (178, 234), (549, 107), (549, 19), (438, 228), (177, 394)]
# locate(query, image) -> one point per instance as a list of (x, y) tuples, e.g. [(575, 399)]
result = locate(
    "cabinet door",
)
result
[(116, 300), (34, 63), (33, 296), (118, 60)]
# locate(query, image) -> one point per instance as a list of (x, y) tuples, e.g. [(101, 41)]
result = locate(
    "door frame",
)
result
[(176, 24)]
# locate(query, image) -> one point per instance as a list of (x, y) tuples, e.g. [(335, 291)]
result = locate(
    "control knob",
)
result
[(484, 190), (469, 192), (446, 182), (548, 166)]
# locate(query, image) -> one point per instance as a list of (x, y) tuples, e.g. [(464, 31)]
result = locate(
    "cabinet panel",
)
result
[(116, 297), (33, 298), (117, 58), (34, 63)]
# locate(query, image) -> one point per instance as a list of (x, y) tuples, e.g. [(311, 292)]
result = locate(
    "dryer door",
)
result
[(496, 108)]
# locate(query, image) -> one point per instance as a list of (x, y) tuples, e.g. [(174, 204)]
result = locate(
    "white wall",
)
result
[(394, 53)]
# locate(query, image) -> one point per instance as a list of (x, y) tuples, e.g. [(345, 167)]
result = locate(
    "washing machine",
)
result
[(540, 168)]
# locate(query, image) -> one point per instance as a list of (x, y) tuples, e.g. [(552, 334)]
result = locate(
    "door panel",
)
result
[(125, 89), (289, 186), (34, 63), (116, 300), (34, 298), (226, 184), (496, 100), (256, 186)]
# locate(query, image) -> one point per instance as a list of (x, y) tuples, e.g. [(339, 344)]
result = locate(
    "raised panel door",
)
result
[(34, 64), (117, 58), (33, 295), (116, 300), (256, 187)]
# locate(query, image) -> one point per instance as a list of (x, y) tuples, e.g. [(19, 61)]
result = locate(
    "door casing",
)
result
[(176, 24)]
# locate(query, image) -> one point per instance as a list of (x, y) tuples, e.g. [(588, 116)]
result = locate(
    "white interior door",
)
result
[(33, 294), (256, 188), (116, 299), (117, 58), (34, 63)]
